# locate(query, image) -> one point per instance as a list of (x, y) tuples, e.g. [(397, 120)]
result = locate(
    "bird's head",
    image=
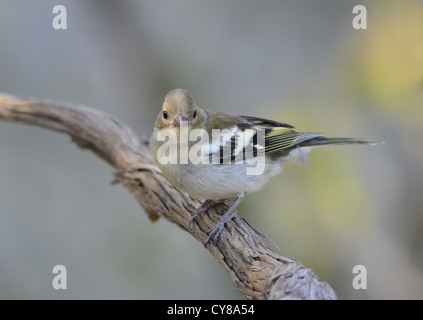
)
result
[(179, 106)]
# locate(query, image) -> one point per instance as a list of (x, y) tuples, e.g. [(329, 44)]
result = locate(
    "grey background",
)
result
[(300, 62)]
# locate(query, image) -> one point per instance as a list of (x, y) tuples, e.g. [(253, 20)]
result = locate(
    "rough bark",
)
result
[(257, 271)]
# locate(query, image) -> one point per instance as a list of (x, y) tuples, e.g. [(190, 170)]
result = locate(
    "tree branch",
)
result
[(257, 271)]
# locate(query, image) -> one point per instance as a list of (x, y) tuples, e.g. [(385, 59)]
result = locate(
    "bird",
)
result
[(215, 157)]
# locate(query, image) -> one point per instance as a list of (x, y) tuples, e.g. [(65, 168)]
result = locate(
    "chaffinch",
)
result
[(215, 156)]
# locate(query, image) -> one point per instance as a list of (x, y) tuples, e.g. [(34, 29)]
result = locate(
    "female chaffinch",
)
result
[(235, 155)]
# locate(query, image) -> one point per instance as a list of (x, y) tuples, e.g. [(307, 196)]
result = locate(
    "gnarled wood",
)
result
[(257, 271)]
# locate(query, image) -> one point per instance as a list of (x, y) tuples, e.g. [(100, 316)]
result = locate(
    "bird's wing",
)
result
[(255, 137), (266, 123)]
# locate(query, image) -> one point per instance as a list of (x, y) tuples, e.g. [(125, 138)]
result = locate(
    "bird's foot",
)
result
[(218, 228), (203, 208)]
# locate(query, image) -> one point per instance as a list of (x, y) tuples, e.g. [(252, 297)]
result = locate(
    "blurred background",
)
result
[(296, 61)]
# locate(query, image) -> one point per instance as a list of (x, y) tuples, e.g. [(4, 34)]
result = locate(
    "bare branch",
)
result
[(257, 271)]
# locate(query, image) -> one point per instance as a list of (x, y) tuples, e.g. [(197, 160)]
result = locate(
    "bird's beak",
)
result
[(178, 120)]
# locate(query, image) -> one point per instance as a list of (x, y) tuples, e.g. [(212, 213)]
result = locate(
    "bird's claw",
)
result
[(202, 208), (214, 233), (193, 217)]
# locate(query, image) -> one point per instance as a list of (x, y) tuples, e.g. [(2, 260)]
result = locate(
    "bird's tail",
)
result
[(323, 141)]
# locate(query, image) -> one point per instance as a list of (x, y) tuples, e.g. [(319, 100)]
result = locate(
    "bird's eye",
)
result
[(195, 114), (165, 114)]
